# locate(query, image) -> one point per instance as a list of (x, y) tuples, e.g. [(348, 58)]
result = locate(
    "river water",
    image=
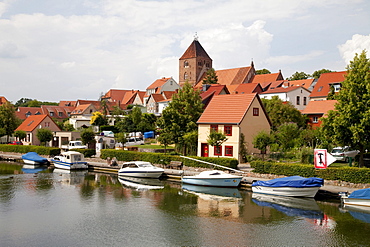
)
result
[(45, 207)]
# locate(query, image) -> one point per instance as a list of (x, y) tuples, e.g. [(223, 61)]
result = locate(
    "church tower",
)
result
[(193, 63)]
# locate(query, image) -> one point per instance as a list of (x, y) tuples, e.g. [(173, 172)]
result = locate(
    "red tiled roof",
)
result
[(214, 89), (195, 50), (228, 108), (247, 88), (32, 122), (3, 100), (304, 83), (233, 76), (158, 83), (116, 95), (80, 109), (168, 94), (22, 111), (322, 87), (281, 90), (157, 97), (68, 103), (268, 78), (319, 107)]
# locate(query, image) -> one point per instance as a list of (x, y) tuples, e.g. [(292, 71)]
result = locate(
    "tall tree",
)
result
[(349, 125), (8, 120), (317, 73), (98, 119), (182, 113), (211, 77), (299, 76), (281, 112), (261, 141), (88, 136)]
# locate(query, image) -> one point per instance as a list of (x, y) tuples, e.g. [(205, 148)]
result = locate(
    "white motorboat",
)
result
[(213, 193), (289, 186), (33, 158), (70, 160), (141, 169), (214, 178), (358, 198), (141, 183)]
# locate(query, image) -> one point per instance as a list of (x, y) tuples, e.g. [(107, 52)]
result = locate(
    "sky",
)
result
[(78, 49)]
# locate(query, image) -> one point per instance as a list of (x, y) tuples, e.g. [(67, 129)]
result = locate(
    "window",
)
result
[(186, 64), (185, 76), (228, 150), (336, 87), (228, 130), (319, 90), (315, 119), (218, 150), (214, 127), (256, 111), (304, 100), (51, 114), (60, 114), (47, 124), (298, 100)]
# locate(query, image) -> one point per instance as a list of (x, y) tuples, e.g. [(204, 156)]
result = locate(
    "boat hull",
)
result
[(69, 166), (32, 162), (215, 182), (140, 174), (356, 202), (287, 191)]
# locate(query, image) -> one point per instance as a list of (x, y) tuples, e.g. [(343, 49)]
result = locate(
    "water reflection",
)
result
[(33, 168), (141, 183), (108, 212)]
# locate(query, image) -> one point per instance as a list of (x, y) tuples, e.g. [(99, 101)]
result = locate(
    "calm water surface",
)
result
[(56, 208)]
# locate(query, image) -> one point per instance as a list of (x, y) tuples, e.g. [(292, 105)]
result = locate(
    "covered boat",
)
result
[(70, 160), (213, 178), (289, 186), (32, 158), (357, 198), (140, 169)]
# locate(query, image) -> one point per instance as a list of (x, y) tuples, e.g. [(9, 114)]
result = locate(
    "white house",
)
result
[(298, 96)]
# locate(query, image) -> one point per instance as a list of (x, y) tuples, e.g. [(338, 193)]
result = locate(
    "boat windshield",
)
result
[(145, 165), (215, 173)]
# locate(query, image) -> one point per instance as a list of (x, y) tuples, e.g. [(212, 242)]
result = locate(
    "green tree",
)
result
[(166, 139), (121, 137), (211, 77), (98, 119), (261, 141), (8, 120), (147, 123), (287, 136), (88, 136), (44, 135), (181, 114), (317, 73), (299, 76), (216, 138), (263, 71), (20, 134), (349, 125), (281, 112)]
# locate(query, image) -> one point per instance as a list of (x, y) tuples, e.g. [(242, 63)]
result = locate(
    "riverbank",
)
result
[(98, 164)]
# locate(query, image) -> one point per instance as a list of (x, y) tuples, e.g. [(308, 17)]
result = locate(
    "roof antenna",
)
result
[(196, 36)]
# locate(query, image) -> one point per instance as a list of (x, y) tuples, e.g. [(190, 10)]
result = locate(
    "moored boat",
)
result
[(141, 183), (33, 158), (141, 169), (359, 198), (296, 186), (214, 178), (70, 160)]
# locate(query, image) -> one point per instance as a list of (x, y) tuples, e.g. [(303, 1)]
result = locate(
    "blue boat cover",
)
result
[(293, 181), (34, 157), (360, 194)]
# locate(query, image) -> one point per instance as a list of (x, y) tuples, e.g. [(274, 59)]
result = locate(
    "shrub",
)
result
[(86, 152), (30, 148)]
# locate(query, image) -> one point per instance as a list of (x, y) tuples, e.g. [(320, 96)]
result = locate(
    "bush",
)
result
[(86, 152), (30, 148), (347, 174), (160, 158)]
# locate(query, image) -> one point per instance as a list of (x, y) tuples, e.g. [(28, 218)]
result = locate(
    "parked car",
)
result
[(343, 153), (15, 143), (134, 141)]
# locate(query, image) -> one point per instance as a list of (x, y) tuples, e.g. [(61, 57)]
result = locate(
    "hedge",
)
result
[(347, 174), (86, 152), (29, 148), (160, 158)]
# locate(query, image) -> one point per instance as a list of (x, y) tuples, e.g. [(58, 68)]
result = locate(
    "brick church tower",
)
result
[(193, 64)]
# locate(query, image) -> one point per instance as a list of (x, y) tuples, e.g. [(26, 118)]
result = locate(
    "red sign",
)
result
[(320, 158)]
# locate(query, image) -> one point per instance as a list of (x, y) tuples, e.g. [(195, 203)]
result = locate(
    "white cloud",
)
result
[(355, 45)]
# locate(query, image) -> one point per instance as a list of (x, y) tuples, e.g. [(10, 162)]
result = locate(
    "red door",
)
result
[(204, 152)]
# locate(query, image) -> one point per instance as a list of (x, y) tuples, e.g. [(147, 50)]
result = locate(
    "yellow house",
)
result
[(233, 114)]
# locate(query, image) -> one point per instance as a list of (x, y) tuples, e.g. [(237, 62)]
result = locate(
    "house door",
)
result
[(204, 150)]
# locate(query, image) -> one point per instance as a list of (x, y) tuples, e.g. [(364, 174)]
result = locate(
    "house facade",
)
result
[(233, 115), (298, 96), (34, 123), (160, 86), (326, 83), (317, 109)]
